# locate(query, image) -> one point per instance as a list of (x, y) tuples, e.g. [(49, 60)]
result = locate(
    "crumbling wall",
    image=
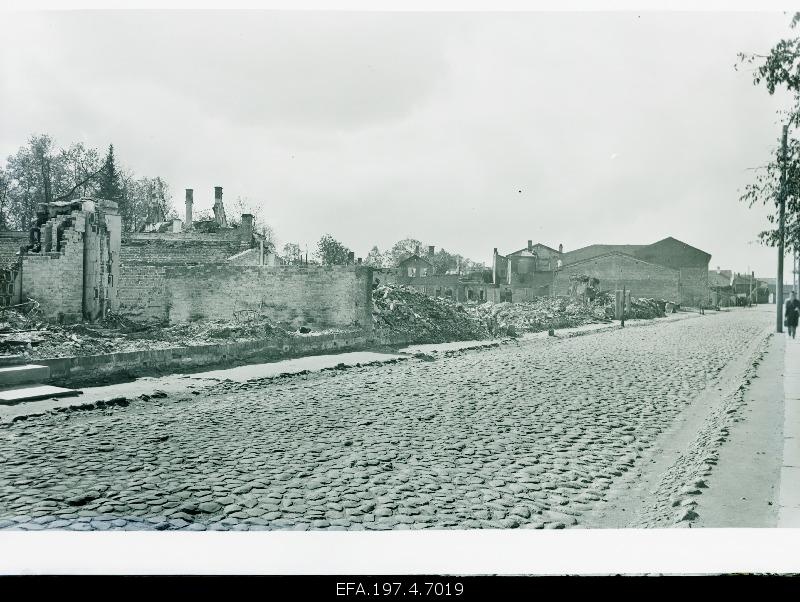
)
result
[(10, 285), (188, 248), (10, 242), (55, 279), (315, 296)]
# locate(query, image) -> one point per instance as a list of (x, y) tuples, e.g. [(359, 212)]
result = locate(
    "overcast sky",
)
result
[(468, 131)]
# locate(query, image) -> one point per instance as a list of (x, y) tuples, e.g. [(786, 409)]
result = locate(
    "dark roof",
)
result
[(626, 255), (719, 279), (597, 250), (538, 244), (416, 257), (647, 253)]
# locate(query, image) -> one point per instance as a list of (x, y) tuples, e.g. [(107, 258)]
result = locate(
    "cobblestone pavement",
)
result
[(529, 435)]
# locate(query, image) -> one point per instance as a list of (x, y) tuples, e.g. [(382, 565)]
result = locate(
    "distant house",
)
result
[(749, 289), (720, 285), (416, 266), (530, 270), (771, 284)]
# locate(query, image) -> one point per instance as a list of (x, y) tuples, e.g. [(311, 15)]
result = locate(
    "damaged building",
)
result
[(419, 272), (70, 264), (668, 269), (77, 264), (221, 271)]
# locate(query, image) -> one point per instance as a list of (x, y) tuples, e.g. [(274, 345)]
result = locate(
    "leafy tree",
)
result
[(374, 258), (292, 254), (5, 187), (402, 250), (39, 173), (779, 70), (331, 252)]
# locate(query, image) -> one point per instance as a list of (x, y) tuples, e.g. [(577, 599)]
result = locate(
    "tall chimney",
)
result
[(189, 203), (560, 248), (247, 230), (417, 251), (219, 208), (430, 250), (530, 245)]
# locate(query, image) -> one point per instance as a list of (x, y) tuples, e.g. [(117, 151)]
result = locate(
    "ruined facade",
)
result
[(70, 266), (224, 271)]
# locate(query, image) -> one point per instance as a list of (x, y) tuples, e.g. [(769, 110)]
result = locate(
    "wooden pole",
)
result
[(781, 235)]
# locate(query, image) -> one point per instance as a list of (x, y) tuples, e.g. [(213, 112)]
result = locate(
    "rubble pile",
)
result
[(399, 311), (31, 337), (545, 313), (646, 309)]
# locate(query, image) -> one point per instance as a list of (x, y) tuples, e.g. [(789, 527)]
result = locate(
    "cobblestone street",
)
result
[(533, 434)]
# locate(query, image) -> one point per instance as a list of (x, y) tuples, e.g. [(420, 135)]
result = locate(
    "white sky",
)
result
[(465, 130)]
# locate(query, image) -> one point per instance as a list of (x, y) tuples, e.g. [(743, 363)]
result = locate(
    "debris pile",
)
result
[(32, 337), (545, 313), (399, 311), (549, 313)]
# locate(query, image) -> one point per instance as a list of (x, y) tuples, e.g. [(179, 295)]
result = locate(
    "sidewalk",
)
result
[(789, 499)]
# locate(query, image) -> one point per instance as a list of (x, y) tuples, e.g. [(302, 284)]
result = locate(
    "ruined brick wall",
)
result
[(55, 279), (10, 242), (616, 270), (10, 285), (142, 292), (694, 286), (186, 248), (314, 296)]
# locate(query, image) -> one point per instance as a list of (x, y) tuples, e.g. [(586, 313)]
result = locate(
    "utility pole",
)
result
[(781, 235)]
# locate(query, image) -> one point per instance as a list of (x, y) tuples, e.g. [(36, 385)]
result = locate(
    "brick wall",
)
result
[(186, 248), (10, 242), (694, 286), (55, 279), (616, 270), (142, 292), (313, 296)]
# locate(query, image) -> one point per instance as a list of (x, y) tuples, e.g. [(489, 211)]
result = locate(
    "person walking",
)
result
[(792, 312)]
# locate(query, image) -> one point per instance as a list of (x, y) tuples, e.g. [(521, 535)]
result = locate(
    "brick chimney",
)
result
[(247, 230), (189, 203), (351, 257), (430, 250), (560, 248), (530, 246), (417, 250), (219, 208)]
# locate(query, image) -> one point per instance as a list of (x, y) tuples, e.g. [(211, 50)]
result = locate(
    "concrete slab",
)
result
[(20, 394), (27, 373)]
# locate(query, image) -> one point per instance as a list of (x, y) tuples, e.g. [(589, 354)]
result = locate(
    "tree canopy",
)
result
[(39, 172), (779, 70), (331, 252)]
